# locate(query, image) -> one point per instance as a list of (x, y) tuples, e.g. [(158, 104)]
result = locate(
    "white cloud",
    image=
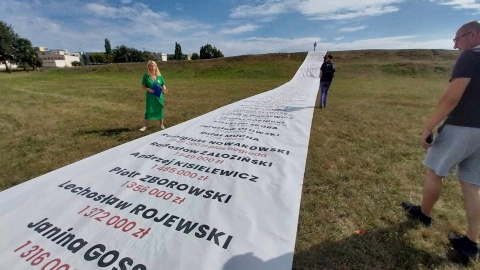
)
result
[(352, 29), (460, 4), (398, 42), (239, 29), (318, 9), (270, 8), (116, 12)]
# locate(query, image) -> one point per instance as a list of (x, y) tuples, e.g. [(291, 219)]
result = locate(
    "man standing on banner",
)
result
[(457, 143), (327, 71)]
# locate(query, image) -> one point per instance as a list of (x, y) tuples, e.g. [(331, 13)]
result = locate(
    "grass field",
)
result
[(364, 155)]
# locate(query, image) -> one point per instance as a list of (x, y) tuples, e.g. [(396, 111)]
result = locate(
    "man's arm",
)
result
[(446, 104)]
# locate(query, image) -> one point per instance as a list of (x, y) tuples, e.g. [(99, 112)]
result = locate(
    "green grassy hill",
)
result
[(284, 65)]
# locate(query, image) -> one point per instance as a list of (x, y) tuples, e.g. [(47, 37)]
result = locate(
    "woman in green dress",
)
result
[(154, 108)]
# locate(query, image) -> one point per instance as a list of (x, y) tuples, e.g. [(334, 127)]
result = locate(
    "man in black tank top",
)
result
[(457, 143)]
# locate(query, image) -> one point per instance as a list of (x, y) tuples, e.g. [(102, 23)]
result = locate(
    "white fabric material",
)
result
[(221, 191)]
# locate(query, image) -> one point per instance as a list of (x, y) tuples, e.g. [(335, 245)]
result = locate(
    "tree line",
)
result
[(17, 50), (124, 54)]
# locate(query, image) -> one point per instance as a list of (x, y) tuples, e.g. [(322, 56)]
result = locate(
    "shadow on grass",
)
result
[(105, 132), (385, 248)]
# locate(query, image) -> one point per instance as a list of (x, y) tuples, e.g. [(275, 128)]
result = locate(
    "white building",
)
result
[(161, 57), (56, 58)]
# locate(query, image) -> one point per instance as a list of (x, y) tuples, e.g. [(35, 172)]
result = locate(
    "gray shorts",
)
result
[(456, 146)]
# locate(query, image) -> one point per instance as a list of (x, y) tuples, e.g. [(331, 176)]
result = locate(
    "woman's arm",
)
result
[(147, 89)]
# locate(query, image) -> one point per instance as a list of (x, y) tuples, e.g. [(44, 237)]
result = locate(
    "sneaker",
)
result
[(464, 246), (162, 127), (415, 212), (143, 129)]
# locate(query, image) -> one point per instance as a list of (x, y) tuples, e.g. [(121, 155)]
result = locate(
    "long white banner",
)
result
[(221, 191)]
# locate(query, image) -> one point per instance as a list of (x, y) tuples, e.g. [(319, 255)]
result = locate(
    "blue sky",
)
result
[(239, 27)]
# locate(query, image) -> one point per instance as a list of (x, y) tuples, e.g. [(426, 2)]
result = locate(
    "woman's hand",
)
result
[(165, 89)]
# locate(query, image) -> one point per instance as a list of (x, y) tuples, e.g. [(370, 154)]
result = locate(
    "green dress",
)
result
[(154, 107)]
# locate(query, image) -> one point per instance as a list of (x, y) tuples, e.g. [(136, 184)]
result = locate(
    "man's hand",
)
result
[(425, 139)]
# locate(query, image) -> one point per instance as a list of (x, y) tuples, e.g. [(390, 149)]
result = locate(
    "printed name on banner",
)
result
[(200, 231), (251, 147), (211, 170), (223, 156), (68, 240), (265, 121), (95, 196)]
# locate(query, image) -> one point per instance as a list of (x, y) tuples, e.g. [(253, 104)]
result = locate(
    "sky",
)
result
[(239, 27)]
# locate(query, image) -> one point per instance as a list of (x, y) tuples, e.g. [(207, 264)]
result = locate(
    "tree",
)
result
[(7, 40), (195, 56), (217, 53), (25, 54), (121, 54), (148, 56), (108, 47), (178, 52), (85, 59), (208, 52), (97, 58)]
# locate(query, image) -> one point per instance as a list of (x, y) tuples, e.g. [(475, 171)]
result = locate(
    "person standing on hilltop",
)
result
[(154, 107), (327, 71), (457, 143)]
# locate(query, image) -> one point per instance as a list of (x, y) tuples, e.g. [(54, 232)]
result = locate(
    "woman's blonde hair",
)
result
[(157, 71)]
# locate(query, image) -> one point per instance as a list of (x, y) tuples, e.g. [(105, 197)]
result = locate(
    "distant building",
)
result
[(161, 56), (56, 58)]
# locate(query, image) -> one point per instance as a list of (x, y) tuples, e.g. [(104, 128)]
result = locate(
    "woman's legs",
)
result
[(147, 122), (145, 126)]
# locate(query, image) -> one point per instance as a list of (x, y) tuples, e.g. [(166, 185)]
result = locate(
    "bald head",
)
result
[(471, 26), (467, 36)]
